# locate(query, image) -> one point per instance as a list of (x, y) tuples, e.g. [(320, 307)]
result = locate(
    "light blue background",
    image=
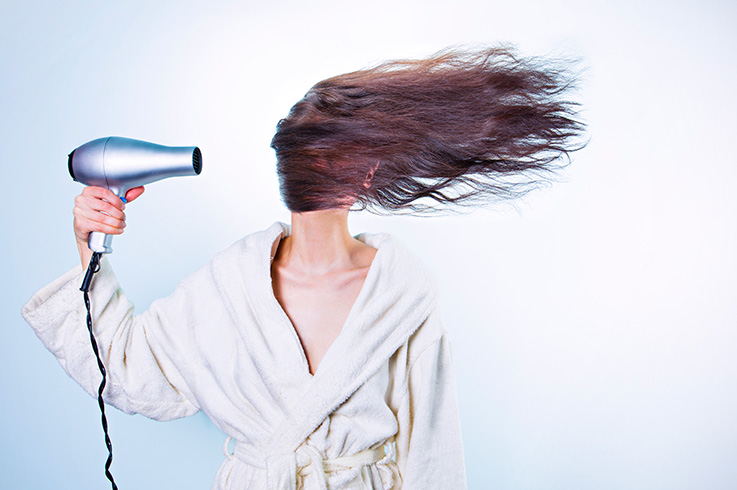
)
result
[(594, 323)]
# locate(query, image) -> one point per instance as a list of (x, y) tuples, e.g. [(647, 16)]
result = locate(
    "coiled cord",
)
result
[(91, 270)]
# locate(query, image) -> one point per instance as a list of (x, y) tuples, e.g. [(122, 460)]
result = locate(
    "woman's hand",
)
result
[(99, 209)]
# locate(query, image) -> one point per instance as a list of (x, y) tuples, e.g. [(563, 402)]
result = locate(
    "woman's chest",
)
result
[(318, 310)]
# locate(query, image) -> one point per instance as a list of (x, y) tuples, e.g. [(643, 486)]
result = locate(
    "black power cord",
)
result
[(91, 270)]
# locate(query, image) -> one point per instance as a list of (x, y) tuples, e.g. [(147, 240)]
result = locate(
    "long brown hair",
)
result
[(416, 135)]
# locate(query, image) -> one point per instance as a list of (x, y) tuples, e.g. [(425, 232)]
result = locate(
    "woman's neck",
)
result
[(320, 242)]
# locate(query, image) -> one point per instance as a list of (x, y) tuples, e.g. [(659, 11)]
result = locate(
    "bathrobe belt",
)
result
[(286, 471)]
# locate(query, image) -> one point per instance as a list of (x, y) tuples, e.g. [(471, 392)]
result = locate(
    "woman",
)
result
[(320, 354)]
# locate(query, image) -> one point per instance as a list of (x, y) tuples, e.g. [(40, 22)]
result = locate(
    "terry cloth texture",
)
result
[(380, 412)]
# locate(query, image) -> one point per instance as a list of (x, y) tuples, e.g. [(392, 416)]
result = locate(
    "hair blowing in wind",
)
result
[(410, 136)]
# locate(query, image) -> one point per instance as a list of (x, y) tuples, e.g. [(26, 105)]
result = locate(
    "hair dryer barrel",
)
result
[(123, 163), (120, 164)]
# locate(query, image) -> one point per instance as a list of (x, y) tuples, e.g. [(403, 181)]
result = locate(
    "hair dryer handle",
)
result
[(101, 242)]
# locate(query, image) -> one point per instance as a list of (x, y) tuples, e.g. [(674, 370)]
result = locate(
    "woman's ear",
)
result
[(370, 176)]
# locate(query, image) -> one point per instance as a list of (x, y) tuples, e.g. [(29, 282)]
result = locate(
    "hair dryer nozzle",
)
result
[(197, 161)]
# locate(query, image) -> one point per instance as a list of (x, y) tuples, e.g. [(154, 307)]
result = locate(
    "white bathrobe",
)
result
[(379, 413)]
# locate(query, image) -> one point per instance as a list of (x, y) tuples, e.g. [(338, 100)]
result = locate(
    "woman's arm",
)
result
[(429, 443), (142, 353), (142, 360)]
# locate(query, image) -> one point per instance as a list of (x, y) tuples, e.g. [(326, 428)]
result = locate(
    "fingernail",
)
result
[(125, 201)]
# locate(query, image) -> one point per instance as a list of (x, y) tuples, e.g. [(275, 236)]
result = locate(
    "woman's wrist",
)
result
[(85, 254)]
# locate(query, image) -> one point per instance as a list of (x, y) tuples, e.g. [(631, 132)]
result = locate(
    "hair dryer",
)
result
[(123, 163)]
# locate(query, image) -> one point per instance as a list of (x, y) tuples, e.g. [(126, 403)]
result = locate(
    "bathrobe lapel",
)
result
[(392, 304), (390, 307)]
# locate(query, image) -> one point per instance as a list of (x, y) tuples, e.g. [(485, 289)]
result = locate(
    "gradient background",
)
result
[(594, 323)]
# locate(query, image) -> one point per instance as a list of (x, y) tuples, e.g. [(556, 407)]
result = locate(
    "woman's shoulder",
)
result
[(247, 256), (400, 262), (253, 247)]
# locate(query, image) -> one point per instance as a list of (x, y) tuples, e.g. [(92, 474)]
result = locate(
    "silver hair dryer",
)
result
[(123, 163)]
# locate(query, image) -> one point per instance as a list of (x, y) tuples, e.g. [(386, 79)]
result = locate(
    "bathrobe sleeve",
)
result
[(139, 352), (429, 443)]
